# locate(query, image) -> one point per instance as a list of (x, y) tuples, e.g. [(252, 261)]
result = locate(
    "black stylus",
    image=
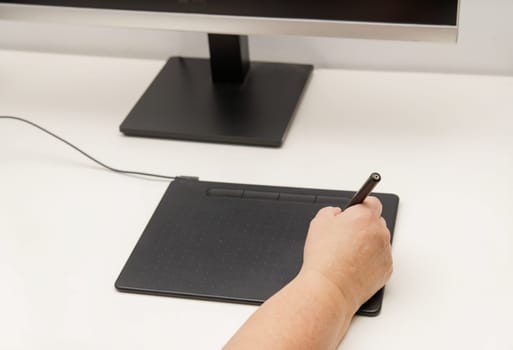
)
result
[(364, 191)]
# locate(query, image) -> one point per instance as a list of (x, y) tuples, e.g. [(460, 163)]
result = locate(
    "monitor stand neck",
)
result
[(229, 58), (222, 99)]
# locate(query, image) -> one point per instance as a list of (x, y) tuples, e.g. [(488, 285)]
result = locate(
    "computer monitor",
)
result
[(228, 98)]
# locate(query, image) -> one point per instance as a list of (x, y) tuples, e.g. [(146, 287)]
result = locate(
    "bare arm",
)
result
[(347, 258)]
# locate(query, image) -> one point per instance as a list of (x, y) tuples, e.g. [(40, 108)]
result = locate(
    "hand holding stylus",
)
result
[(351, 249), (359, 242), (347, 259)]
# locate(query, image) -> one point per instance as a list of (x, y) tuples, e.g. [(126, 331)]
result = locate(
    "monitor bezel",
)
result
[(228, 24)]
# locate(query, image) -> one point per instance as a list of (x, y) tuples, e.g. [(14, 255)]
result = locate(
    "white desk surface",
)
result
[(443, 143)]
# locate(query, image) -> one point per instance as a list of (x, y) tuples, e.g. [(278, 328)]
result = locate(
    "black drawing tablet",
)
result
[(231, 242)]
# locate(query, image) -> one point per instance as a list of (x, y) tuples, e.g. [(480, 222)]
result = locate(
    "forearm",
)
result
[(309, 313)]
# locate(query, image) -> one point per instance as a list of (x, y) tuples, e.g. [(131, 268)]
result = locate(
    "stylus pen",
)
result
[(364, 191)]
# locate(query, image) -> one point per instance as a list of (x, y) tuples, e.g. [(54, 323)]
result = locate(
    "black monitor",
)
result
[(229, 98)]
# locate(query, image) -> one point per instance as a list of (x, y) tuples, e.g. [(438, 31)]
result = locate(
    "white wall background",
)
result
[(485, 44)]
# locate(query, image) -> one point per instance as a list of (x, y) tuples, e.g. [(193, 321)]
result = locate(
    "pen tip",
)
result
[(376, 177)]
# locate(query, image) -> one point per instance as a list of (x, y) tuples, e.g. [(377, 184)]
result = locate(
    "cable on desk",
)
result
[(87, 155)]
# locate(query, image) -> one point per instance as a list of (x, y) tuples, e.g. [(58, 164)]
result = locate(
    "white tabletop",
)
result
[(442, 143)]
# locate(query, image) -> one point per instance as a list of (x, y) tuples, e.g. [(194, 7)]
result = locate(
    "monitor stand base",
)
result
[(183, 102)]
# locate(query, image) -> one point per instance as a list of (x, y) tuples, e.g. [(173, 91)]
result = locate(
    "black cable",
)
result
[(87, 155)]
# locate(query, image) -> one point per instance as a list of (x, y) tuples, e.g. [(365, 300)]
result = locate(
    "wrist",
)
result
[(326, 288)]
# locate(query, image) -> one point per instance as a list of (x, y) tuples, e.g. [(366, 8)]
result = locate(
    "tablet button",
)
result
[(261, 195), (297, 197), (224, 192), (332, 199)]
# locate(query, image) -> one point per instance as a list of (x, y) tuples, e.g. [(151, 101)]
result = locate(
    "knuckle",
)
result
[(314, 222), (385, 232), (326, 209), (373, 200), (390, 271), (363, 216)]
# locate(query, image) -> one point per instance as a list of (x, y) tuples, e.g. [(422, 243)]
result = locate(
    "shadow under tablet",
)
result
[(231, 242)]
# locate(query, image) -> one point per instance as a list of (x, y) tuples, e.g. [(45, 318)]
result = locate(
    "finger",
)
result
[(329, 211), (374, 204)]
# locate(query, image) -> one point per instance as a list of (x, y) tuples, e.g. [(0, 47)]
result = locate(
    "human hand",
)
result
[(350, 250)]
